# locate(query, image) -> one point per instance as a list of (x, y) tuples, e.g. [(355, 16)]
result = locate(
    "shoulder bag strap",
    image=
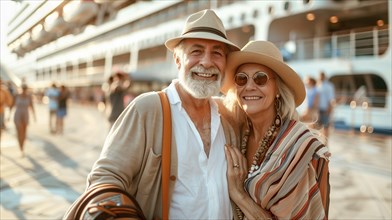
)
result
[(166, 151)]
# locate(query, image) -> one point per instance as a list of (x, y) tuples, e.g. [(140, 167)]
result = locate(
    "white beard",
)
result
[(201, 89)]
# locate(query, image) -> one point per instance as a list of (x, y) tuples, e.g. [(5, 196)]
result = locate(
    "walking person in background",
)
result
[(11, 88), (53, 94), (280, 170), (62, 109), (6, 100), (131, 156), (23, 102), (310, 115), (326, 92), (106, 91), (117, 93), (7, 86)]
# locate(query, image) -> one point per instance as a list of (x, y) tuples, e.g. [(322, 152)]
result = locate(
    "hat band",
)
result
[(206, 29)]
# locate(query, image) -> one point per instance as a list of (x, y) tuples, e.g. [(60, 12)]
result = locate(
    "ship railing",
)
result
[(356, 43), (370, 99), (361, 109)]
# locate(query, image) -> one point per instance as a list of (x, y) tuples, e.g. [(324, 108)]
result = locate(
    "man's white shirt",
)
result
[(201, 190)]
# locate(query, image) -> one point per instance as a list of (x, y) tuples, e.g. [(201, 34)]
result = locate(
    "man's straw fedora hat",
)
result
[(204, 25), (267, 54)]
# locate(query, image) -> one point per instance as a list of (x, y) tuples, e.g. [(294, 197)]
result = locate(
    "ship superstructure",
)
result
[(81, 43)]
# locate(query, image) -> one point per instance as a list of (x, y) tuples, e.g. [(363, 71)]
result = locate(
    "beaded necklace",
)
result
[(261, 151), (264, 144)]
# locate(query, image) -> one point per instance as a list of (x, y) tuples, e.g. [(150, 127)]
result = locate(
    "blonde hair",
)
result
[(288, 110)]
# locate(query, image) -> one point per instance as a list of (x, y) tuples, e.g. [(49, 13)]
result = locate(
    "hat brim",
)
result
[(288, 75), (173, 42)]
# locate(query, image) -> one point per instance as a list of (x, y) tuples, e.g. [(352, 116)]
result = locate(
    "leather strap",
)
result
[(166, 151)]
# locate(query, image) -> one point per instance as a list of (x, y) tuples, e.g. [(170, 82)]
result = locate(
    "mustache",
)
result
[(201, 69)]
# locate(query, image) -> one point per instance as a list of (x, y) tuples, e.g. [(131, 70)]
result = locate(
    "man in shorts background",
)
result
[(326, 92), (53, 94)]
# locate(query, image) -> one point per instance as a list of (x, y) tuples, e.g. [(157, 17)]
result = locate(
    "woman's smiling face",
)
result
[(254, 98)]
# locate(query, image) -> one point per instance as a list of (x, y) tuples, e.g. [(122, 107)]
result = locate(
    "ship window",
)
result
[(255, 13), (122, 59), (82, 65), (270, 10), (97, 67), (151, 55), (69, 68), (243, 17), (82, 69), (286, 6), (369, 88), (230, 20), (241, 35), (100, 62)]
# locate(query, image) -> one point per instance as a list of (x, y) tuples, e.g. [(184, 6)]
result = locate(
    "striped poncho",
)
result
[(293, 181)]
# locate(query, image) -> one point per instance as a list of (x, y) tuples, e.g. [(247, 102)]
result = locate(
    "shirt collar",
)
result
[(172, 94)]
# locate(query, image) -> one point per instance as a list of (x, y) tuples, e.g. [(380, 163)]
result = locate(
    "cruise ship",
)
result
[(80, 43)]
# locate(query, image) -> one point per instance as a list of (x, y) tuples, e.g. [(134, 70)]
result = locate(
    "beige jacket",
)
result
[(131, 157)]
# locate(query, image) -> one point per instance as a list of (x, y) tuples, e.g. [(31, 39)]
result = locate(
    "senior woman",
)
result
[(280, 170)]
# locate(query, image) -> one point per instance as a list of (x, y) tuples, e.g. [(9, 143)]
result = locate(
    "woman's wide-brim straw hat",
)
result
[(203, 25), (267, 54)]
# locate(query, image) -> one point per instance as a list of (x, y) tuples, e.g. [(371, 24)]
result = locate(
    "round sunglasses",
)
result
[(260, 78)]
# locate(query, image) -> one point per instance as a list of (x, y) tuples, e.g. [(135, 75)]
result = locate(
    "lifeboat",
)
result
[(19, 51), (80, 12), (55, 24), (114, 4), (17, 48), (40, 35), (27, 43)]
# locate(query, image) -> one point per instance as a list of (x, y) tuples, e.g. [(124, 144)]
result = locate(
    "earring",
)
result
[(278, 106)]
